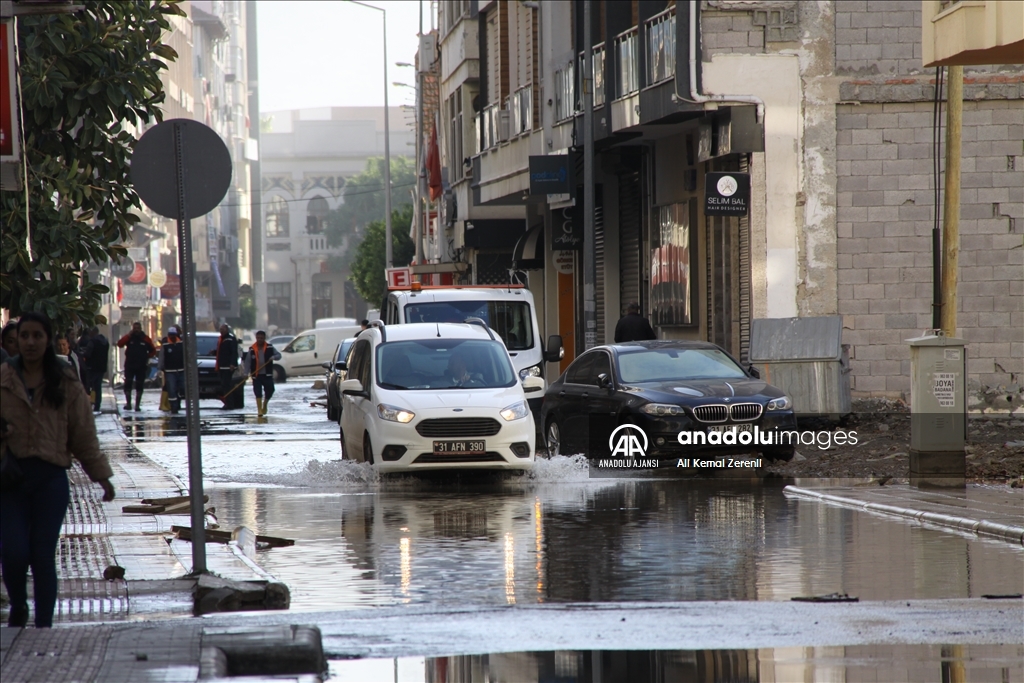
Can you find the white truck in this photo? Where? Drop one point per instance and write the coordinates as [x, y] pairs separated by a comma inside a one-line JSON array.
[[509, 310]]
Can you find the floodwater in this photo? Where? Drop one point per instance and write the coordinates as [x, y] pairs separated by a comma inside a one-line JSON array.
[[996, 663], [554, 536]]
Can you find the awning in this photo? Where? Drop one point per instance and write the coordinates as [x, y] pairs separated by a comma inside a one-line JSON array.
[[529, 250]]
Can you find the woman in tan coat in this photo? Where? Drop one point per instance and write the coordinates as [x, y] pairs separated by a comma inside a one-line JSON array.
[[46, 422]]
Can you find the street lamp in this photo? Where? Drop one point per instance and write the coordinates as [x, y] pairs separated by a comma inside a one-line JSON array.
[[389, 258]]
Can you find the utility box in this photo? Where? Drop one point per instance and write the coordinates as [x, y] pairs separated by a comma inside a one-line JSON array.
[[806, 358], [938, 407]]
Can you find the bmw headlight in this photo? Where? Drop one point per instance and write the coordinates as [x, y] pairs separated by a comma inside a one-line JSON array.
[[532, 371], [661, 409], [515, 411], [780, 403], [393, 414]]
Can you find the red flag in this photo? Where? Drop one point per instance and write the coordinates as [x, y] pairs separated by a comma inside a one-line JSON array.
[[434, 166]]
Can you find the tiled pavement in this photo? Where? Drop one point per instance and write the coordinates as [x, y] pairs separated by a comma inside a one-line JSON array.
[[97, 535]]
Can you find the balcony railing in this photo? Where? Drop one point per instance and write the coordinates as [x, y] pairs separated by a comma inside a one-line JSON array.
[[598, 75], [661, 46], [520, 106], [626, 63], [565, 92]]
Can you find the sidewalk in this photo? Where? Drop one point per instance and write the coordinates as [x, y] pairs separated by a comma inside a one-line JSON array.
[[983, 510], [97, 535]]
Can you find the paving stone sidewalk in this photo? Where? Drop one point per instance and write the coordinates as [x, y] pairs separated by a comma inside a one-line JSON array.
[[118, 645]]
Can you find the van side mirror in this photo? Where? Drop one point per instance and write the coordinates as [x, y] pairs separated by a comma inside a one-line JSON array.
[[752, 371], [554, 351], [353, 387]]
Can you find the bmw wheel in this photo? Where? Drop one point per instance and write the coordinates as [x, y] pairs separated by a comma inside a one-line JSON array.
[[553, 439]]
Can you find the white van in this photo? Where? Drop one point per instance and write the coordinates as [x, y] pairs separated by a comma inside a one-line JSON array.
[[305, 354], [507, 309]]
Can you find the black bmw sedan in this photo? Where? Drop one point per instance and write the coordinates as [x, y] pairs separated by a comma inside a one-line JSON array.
[[689, 398]]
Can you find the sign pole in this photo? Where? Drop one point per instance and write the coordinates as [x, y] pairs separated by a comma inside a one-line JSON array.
[[188, 318]]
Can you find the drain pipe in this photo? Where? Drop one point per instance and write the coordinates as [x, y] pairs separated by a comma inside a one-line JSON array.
[[698, 98]]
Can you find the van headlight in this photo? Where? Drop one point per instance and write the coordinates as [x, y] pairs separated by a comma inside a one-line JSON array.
[[780, 403], [532, 371], [516, 411], [394, 414]]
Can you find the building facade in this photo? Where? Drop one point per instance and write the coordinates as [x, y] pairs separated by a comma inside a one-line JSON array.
[[307, 155], [825, 106]]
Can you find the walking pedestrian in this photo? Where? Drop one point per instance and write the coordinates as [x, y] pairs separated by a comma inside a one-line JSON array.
[[260, 366], [138, 349], [226, 365], [64, 353], [633, 326], [97, 352], [9, 339], [46, 422], [172, 363]]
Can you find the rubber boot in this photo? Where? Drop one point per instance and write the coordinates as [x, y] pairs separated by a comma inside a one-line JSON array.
[[138, 400], [264, 410], [259, 406], [128, 399]]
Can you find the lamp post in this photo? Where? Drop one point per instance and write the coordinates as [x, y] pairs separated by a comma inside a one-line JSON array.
[[389, 258]]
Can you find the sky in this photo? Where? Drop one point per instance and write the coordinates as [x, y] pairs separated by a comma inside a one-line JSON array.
[[328, 53]]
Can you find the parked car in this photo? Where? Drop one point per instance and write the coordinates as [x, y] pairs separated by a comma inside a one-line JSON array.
[[427, 396], [301, 356], [336, 373], [206, 361], [280, 341], [664, 387]]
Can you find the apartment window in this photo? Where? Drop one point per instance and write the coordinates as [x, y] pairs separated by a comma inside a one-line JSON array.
[[279, 304], [321, 300], [661, 47], [455, 151], [316, 215], [565, 92], [673, 241], [451, 12], [277, 219]]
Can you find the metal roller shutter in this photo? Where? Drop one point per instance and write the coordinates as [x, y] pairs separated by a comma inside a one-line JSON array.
[[599, 314], [630, 215], [744, 276]]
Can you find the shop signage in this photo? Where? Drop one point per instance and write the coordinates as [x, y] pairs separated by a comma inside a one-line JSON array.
[[567, 232], [8, 98], [140, 274], [549, 174], [564, 262], [123, 269], [172, 289], [726, 194], [157, 278], [134, 296]]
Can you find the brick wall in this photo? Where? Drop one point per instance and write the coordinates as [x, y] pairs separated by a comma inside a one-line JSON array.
[[885, 205], [729, 31], [878, 37]]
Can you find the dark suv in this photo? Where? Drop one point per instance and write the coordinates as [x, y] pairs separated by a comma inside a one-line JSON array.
[[336, 373]]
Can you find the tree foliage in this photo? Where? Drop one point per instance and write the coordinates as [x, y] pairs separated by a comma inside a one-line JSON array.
[[369, 263], [89, 80], [364, 197]]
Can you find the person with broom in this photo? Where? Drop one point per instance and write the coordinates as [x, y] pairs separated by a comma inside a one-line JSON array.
[[260, 366]]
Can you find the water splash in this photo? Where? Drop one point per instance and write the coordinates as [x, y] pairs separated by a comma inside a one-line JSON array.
[[561, 468], [319, 473]]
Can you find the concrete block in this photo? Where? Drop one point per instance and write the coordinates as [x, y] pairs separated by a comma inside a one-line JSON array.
[[886, 36], [887, 213], [866, 261], [867, 19], [852, 306], [1008, 334], [915, 305], [880, 182], [886, 336], [852, 246], [1007, 148], [269, 650], [869, 230], [1008, 179], [900, 321], [899, 352], [900, 382], [971, 242], [852, 214], [868, 136], [974, 116], [898, 260], [1006, 303], [868, 198], [851, 36], [988, 195], [979, 304], [913, 212], [843, 230], [1008, 242], [883, 306], [993, 258], [851, 183], [915, 151], [914, 182], [993, 288], [899, 107], [898, 135], [851, 153], [1009, 116], [899, 167], [870, 383], [845, 121], [901, 290], [989, 318], [883, 151], [992, 226], [883, 275], [868, 352], [885, 367], [852, 276], [894, 49], [883, 245], [869, 322], [916, 119], [715, 23], [915, 244]]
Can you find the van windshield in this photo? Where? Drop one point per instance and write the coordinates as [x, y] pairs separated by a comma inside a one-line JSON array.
[[444, 364], [512, 320]]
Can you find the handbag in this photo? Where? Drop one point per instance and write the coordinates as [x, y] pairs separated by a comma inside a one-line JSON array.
[[11, 475]]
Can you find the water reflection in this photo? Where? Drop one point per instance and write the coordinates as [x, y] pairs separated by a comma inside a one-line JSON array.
[[516, 542], [995, 663]]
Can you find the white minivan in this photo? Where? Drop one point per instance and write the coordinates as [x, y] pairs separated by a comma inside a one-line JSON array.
[[507, 309], [435, 396], [306, 354]]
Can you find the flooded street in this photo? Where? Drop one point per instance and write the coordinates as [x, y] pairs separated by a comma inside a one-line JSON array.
[[554, 536]]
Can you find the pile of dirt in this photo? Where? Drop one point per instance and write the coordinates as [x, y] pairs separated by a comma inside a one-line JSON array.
[[995, 446]]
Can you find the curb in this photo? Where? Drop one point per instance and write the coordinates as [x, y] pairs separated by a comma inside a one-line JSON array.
[[982, 527]]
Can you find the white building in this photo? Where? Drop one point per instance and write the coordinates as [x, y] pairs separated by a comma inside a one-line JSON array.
[[306, 157]]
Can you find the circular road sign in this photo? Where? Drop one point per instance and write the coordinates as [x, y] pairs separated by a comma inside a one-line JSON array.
[[207, 168]]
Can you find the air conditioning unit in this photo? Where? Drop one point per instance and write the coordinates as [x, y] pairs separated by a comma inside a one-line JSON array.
[[504, 125]]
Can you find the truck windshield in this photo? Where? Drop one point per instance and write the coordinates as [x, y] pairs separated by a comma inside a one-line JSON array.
[[512, 320]]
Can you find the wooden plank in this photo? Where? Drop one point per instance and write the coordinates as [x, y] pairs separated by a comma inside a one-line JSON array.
[[143, 509], [173, 500], [219, 536]]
